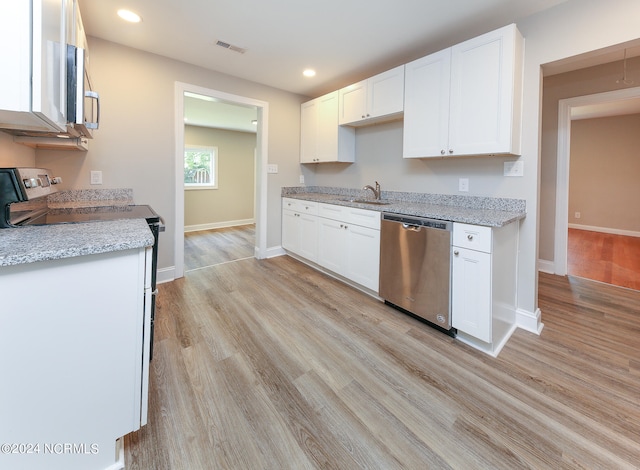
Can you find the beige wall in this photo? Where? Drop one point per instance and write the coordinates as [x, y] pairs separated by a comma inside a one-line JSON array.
[[234, 198], [587, 81], [15, 155], [135, 146], [605, 166]]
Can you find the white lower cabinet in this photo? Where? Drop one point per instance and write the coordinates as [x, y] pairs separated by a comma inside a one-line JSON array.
[[76, 360], [483, 300], [346, 240], [300, 228]]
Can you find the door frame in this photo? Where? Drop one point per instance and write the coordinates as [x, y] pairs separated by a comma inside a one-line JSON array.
[[260, 251], [565, 107]]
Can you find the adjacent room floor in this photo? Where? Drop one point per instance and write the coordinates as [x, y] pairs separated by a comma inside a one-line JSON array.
[[270, 364], [604, 257], [210, 247]]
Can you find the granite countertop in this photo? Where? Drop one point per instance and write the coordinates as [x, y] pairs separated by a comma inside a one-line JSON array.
[[29, 244], [491, 212]]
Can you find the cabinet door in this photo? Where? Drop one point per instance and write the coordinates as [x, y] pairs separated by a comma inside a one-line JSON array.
[[328, 128], [49, 80], [290, 231], [482, 93], [353, 102], [309, 131], [471, 293], [332, 245], [364, 256], [385, 93], [308, 236], [426, 106]]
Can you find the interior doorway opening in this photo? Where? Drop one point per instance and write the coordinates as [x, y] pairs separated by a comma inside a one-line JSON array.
[[611, 104], [183, 90]]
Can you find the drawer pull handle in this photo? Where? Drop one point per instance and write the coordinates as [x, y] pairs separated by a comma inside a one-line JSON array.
[[456, 252]]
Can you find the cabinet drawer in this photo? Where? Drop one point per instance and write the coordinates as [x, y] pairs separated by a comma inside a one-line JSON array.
[[474, 237], [299, 205], [308, 207], [364, 218], [290, 204], [331, 211], [350, 215]]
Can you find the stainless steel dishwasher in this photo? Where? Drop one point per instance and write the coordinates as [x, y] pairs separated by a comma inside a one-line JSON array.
[[415, 267]]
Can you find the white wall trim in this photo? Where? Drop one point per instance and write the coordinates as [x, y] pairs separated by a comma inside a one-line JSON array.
[[166, 275], [274, 251], [529, 321], [546, 266], [563, 163], [613, 231], [261, 167], [215, 225]]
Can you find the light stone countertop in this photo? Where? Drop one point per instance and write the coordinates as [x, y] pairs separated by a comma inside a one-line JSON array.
[[30, 244], [491, 212]]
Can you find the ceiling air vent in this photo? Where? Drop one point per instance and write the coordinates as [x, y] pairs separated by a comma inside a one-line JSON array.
[[231, 47]]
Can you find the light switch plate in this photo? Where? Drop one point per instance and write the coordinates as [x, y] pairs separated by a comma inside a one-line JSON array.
[[514, 168], [272, 168], [96, 177], [463, 185]]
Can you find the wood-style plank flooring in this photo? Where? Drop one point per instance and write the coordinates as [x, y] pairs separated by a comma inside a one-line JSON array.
[[210, 247], [272, 365], [604, 257]]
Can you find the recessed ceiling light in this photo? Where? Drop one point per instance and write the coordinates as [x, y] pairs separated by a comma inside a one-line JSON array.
[[129, 16], [309, 73]]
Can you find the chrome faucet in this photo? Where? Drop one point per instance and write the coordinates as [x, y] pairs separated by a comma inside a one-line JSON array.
[[375, 191]]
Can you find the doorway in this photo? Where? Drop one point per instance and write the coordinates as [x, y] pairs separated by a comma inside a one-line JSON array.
[[260, 165], [603, 104]]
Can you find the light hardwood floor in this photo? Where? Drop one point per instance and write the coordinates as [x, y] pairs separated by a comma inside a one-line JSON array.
[[604, 257], [210, 247], [271, 365]]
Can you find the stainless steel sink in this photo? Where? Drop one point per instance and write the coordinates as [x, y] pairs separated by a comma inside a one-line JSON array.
[[375, 202]]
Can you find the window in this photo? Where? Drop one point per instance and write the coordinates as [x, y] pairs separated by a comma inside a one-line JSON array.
[[200, 167]]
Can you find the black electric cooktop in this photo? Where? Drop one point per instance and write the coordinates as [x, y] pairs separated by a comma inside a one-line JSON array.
[[91, 214]]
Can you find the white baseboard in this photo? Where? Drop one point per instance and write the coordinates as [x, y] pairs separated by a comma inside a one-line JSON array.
[[529, 321], [272, 252], [613, 231], [166, 275], [214, 225], [546, 266]]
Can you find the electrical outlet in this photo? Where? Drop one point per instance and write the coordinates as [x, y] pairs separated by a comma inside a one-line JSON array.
[[301, 179], [463, 185], [514, 168], [96, 177], [577, 215]]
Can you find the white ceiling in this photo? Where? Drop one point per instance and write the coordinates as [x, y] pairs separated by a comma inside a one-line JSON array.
[[344, 40]]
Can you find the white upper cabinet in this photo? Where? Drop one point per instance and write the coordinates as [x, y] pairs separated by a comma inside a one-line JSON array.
[[321, 139], [373, 100], [33, 96], [471, 93], [426, 107]]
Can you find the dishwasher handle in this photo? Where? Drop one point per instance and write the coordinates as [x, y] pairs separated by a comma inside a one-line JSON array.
[[413, 228]]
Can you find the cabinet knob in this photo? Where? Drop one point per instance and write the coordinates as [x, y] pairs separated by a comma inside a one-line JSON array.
[[456, 253], [450, 151], [442, 152], [363, 116], [470, 237]]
